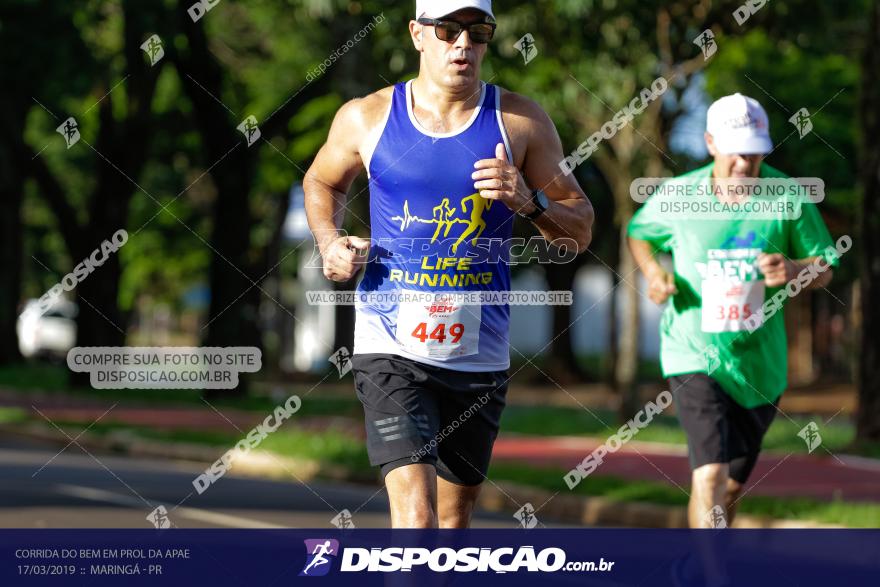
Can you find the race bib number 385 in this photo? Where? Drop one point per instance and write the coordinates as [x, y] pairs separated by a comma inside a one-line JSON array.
[[732, 289], [438, 327], [727, 305]]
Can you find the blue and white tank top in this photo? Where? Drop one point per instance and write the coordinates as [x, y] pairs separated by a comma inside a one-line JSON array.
[[433, 236]]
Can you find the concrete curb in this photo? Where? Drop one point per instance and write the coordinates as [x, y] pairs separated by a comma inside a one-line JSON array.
[[494, 496]]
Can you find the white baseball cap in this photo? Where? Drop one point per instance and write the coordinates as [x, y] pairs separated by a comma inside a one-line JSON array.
[[739, 126], [440, 8]]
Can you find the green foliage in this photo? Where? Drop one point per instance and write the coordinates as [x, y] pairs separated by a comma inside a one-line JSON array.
[[837, 435], [850, 514], [594, 56], [784, 78]]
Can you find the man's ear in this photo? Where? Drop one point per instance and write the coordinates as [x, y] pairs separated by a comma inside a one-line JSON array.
[[415, 32], [710, 144]]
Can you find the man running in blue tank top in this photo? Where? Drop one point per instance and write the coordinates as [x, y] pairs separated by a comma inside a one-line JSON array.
[[450, 161]]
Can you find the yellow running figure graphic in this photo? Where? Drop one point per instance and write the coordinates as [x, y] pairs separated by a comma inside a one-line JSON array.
[[476, 222], [443, 218]]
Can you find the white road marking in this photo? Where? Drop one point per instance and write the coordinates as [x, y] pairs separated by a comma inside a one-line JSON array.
[[93, 494]]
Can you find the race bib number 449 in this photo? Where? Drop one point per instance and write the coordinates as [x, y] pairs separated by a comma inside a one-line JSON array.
[[438, 326]]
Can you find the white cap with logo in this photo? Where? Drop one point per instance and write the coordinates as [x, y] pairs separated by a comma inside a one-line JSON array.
[[739, 126], [440, 8]]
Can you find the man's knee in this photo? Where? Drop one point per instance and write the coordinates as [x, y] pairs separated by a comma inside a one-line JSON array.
[[456, 504], [456, 519], [412, 492], [414, 516], [733, 491], [710, 477], [409, 511]]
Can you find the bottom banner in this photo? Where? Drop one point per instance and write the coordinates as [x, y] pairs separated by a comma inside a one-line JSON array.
[[175, 557]]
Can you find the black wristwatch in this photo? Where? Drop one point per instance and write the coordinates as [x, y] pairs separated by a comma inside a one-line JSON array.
[[539, 199]]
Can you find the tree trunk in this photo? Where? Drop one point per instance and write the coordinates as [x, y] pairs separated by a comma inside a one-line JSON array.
[[868, 418], [609, 367], [99, 321], [13, 164], [562, 364], [234, 279], [627, 366]]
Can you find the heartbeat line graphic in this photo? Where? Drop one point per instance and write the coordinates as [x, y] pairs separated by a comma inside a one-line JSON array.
[[443, 217], [407, 219]]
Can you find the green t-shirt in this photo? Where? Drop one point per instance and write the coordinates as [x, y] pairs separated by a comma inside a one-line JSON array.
[[719, 284]]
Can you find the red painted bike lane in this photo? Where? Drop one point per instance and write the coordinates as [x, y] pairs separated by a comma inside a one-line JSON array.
[[820, 475]]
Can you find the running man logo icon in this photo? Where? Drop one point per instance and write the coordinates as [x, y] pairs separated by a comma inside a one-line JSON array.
[[69, 129], [249, 129], [343, 520], [342, 360], [159, 518], [715, 517], [444, 218], [713, 358], [154, 50], [802, 122], [317, 553], [526, 516], [526, 46], [810, 434], [706, 42]]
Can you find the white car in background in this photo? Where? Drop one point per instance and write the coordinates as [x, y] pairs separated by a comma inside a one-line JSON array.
[[49, 334]]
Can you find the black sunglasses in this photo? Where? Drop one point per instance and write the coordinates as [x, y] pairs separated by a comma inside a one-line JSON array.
[[449, 30]]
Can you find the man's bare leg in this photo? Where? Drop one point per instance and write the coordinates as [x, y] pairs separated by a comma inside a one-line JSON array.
[[732, 493], [708, 489], [412, 492], [455, 503]]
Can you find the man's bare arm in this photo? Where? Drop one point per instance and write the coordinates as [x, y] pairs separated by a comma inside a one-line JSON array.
[[570, 213], [778, 270], [661, 283], [335, 167], [326, 186]]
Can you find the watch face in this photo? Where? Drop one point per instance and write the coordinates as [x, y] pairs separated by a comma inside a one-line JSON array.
[[541, 197]]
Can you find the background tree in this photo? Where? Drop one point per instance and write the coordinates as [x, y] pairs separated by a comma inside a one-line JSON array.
[[868, 418]]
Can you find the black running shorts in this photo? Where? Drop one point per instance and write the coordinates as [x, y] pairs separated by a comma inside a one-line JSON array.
[[718, 429], [417, 413]]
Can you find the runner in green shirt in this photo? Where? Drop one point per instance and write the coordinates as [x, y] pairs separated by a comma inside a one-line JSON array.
[[723, 344]]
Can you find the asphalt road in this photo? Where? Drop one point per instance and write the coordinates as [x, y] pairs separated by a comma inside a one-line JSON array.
[[40, 488]]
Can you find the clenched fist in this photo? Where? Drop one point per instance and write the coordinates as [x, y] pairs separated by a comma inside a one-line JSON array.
[[661, 285], [344, 256], [777, 269]]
